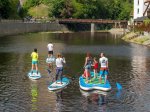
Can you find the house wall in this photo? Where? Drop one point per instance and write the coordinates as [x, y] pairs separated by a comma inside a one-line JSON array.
[[139, 8]]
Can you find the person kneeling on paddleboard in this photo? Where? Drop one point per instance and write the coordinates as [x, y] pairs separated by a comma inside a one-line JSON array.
[[34, 56], [104, 67], [59, 66]]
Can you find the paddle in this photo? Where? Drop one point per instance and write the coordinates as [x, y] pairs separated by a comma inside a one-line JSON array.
[[118, 85], [48, 70]]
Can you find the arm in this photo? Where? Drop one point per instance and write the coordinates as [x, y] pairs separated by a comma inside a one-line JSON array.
[[63, 60], [31, 54], [100, 61], [37, 57], [107, 63], [85, 61]]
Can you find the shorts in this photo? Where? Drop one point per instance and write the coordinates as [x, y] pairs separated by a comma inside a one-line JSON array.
[[50, 52], [103, 72], [34, 62], [88, 67]]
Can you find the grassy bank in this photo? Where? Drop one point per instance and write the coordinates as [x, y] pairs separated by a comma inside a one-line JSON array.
[[136, 37]]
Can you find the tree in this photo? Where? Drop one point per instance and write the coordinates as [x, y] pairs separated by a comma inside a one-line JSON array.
[[8, 9], [5, 8]]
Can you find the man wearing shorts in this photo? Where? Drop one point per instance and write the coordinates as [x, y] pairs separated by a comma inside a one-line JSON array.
[[104, 67], [50, 55], [50, 49]]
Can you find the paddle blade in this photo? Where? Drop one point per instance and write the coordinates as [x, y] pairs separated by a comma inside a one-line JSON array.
[[119, 87], [48, 71]]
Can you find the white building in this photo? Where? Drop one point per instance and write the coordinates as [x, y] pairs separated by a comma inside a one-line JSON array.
[[139, 8]]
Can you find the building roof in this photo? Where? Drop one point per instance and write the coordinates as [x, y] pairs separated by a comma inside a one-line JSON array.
[[140, 19]]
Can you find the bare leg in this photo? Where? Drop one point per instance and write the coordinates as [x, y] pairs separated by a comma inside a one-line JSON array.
[[48, 55], [32, 68], [36, 66], [100, 79], [94, 73], [86, 71]]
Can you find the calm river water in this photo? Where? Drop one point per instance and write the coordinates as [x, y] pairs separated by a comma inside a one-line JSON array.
[[129, 65]]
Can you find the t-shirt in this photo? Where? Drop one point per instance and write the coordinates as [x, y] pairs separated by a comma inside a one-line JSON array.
[[34, 56], [59, 62], [96, 65], [50, 47], [103, 61]]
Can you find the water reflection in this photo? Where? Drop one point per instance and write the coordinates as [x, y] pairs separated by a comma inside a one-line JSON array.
[[94, 97], [59, 100], [34, 95]]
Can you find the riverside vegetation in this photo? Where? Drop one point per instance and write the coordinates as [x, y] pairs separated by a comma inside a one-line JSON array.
[[138, 36], [83, 9]]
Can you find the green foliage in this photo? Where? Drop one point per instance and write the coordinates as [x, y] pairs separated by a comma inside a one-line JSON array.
[[95, 9], [8, 9], [32, 3], [86, 9], [39, 11], [147, 22]]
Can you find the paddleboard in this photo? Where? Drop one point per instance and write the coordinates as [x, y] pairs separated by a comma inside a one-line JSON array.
[[94, 84], [34, 75], [50, 59], [57, 84], [88, 93]]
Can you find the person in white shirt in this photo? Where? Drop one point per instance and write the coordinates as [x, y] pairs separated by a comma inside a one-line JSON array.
[[59, 66], [50, 56], [50, 49], [104, 67]]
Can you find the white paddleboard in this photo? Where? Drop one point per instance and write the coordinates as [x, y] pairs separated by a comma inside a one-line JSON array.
[[34, 75], [50, 59], [57, 84]]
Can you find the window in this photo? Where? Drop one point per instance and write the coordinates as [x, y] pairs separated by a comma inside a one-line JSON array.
[[138, 11]]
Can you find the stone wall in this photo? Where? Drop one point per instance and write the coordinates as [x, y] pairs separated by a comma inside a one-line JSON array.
[[14, 28]]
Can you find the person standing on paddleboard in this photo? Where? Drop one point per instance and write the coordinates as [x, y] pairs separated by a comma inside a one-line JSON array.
[[95, 67], [59, 66], [50, 54], [34, 56], [50, 49], [104, 67], [87, 66]]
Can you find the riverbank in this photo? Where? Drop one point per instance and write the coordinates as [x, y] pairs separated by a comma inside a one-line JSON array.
[[136, 37], [15, 28]]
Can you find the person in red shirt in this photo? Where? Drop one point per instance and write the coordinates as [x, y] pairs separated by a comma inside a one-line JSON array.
[[95, 67]]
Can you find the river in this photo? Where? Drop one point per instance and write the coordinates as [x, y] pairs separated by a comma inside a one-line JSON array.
[[128, 64]]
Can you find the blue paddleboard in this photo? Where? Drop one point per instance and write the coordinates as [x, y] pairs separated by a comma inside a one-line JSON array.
[[34, 75], [57, 84], [94, 84]]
